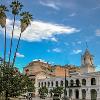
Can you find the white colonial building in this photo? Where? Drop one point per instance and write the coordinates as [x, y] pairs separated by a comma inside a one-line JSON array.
[[84, 85]]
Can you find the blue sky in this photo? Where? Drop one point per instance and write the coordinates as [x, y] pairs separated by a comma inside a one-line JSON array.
[[58, 32]]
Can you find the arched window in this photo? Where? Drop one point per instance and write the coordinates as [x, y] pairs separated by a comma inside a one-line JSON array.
[[70, 93], [48, 84], [61, 83], [56, 83], [71, 83], [52, 83], [45, 84], [93, 94], [42, 84], [39, 84], [93, 81], [77, 82], [83, 94], [83, 81]]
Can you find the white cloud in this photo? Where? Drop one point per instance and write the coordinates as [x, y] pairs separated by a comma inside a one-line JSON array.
[[79, 42], [39, 30], [76, 51], [20, 55], [54, 39], [98, 32], [67, 44], [50, 4], [72, 15], [98, 68], [56, 50]]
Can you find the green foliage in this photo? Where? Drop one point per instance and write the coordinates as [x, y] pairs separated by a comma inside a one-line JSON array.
[[57, 90], [43, 91], [13, 82], [16, 7]]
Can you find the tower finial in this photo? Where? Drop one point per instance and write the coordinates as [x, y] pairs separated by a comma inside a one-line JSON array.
[[86, 45]]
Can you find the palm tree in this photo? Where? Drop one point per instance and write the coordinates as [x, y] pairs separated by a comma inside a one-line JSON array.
[[16, 8], [25, 22], [3, 17]]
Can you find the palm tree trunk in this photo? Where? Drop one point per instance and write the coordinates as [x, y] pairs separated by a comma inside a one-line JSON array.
[[5, 47], [16, 49], [11, 42]]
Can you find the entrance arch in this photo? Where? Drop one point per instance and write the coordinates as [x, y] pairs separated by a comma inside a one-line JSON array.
[[70, 93], [77, 94], [93, 94], [84, 94]]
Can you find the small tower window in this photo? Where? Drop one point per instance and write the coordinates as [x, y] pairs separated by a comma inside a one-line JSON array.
[[93, 81]]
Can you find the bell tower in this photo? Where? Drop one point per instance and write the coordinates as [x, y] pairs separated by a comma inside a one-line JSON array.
[[87, 65]]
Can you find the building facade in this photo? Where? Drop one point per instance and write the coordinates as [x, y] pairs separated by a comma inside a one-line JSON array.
[[82, 84]]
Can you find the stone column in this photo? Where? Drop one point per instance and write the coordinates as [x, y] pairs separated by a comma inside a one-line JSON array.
[[88, 94], [73, 95], [98, 94], [80, 94]]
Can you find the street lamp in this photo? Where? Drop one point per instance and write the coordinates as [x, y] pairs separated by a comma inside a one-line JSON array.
[[65, 97]]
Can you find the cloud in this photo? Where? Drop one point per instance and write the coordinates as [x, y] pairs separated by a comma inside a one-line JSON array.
[[20, 55], [56, 50], [39, 30], [98, 32], [67, 44], [76, 51], [50, 4], [72, 15], [98, 68], [79, 42]]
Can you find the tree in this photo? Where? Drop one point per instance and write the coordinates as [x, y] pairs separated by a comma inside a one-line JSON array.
[[16, 8], [25, 21], [42, 91], [57, 90], [3, 17], [13, 83]]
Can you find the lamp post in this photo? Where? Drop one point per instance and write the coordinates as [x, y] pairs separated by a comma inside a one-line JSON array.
[[65, 97]]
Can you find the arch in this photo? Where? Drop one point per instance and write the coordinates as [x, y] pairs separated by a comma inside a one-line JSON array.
[[71, 83], [45, 84], [61, 83], [42, 84], [56, 83], [39, 84], [93, 94], [70, 92], [48, 84], [77, 82], [52, 83], [77, 94], [93, 81], [84, 82], [83, 94]]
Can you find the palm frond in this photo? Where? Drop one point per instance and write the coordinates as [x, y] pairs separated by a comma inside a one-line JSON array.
[[26, 20], [16, 7]]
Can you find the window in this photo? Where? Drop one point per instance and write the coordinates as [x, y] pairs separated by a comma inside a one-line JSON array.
[[52, 83], [71, 82], [77, 82], [45, 84], [93, 81], [61, 83], [39, 84], [56, 83], [83, 81], [48, 84], [42, 84]]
